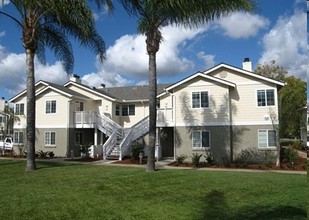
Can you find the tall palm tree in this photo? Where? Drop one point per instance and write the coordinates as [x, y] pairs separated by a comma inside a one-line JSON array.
[[48, 24], [155, 14]]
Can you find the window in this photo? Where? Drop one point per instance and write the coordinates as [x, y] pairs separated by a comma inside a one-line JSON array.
[[117, 110], [200, 100], [200, 139], [79, 106], [127, 110], [50, 107], [267, 138], [2, 119], [19, 109], [266, 97], [18, 137], [50, 138]]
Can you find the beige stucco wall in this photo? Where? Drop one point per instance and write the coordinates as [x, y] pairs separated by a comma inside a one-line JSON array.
[[218, 111]]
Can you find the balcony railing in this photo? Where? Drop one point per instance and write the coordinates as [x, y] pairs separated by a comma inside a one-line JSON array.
[[85, 119], [165, 117]]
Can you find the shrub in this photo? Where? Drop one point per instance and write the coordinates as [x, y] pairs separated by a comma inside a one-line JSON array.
[[50, 154], [298, 145], [226, 161], [292, 156], [196, 159], [181, 159], [268, 158], [42, 154], [136, 150], [209, 158], [244, 158]]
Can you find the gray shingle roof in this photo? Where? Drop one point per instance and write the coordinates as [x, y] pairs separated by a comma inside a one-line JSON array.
[[130, 93]]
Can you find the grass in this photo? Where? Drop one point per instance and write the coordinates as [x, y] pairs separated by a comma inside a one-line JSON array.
[[76, 191]]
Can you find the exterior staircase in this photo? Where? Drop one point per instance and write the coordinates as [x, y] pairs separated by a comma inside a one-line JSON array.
[[120, 140]]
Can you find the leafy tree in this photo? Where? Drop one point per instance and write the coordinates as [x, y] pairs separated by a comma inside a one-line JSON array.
[[48, 24], [292, 98], [155, 14], [271, 70]]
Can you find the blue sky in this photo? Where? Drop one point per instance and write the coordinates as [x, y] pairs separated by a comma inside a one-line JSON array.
[[277, 31]]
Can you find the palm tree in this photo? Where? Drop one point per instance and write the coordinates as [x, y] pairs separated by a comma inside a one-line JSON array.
[[155, 14], [48, 24]]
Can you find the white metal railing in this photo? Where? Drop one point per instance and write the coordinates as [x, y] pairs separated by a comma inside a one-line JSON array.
[[137, 130], [165, 115], [109, 144], [107, 125], [85, 118]]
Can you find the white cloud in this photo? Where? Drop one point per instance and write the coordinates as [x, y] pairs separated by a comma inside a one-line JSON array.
[[286, 44], [241, 25], [2, 33], [208, 59], [128, 58], [13, 72]]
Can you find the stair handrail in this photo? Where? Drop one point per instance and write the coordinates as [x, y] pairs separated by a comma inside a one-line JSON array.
[[107, 123], [138, 129], [109, 144]]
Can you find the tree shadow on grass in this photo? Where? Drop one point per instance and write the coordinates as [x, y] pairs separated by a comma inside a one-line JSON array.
[[216, 208]]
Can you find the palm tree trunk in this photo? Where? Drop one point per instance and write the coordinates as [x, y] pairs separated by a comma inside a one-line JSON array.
[[30, 131], [152, 112]]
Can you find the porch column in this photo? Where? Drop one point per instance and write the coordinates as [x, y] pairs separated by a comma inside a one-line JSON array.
[[158, 152]]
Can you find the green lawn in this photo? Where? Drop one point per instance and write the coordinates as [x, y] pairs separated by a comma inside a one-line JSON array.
[[75, 191]]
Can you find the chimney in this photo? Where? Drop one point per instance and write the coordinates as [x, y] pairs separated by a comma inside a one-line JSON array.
[[75, 78], [246, 65]]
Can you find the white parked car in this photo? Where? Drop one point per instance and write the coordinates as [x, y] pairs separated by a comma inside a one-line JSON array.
[[7, 144]]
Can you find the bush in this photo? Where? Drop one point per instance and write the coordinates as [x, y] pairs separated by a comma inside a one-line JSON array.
[[42, 154], [50, 154], [196, 159], [226, 161], [244, 158], [298, 145], [181, 159], [209, 158], [136, 150], [291, 156], [268, 158]]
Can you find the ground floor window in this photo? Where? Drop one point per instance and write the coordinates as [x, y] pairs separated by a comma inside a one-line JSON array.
[[50, 138], [18, 137], [200, 139], [267, 138]]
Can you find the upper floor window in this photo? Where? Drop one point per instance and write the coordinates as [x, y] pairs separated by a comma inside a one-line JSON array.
[[50, 138], [2, 119], [127, 110], [267, 138], [117, 110], [19, 109], [200, 100], [200, 139], [266, 97], [50, 107], [79, 106]]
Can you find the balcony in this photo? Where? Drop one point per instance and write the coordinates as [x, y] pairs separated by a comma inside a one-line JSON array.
[[85, 119], [165, 117]]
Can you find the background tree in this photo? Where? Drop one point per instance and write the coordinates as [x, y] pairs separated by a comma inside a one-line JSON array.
[[48, 24], [292, 98], [155, 14], [271, 70]]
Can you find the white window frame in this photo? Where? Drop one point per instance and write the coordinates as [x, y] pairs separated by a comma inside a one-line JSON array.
[[48, 142], [49, 110], [18, 138], [266, 133], [18, 106], [200, 100], [128, 109], [201, 139], [79, 106], [117, 110], [265, 95]]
